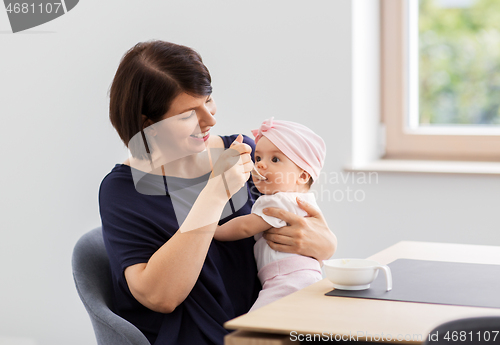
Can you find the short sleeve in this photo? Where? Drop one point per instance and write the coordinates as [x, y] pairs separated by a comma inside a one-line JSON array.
[[284, 200], [269, 201], [131, 231]]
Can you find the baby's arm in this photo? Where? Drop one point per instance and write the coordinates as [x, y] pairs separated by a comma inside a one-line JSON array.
[[241, 227]]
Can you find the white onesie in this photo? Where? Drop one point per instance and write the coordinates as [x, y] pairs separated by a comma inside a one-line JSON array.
[[282, 273], [286, 201]]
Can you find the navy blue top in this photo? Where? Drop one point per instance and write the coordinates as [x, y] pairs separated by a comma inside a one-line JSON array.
[[135, 225]]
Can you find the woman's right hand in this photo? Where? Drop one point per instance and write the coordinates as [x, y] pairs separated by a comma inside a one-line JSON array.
[[232, 169], [308, 236]]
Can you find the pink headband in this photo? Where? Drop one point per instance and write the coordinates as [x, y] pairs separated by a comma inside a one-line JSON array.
[[301, 145]]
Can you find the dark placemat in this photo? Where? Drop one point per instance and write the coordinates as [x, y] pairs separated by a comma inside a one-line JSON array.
[[438, 282]]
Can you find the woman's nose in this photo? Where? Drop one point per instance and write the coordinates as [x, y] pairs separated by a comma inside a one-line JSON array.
[[206, 119]]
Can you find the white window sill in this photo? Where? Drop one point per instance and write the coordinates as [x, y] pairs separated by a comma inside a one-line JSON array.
[[431, 167]]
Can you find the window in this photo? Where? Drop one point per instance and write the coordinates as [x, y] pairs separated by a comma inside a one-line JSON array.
[[440, 63]]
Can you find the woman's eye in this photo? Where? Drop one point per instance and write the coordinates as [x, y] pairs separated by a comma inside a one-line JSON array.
[[190, 115], [209, 100], [275, 160]]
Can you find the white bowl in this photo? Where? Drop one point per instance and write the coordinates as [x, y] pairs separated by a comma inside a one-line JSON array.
[[355, 274]]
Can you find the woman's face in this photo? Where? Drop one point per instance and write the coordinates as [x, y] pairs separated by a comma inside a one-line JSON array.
[[185, 128], [282, 174]]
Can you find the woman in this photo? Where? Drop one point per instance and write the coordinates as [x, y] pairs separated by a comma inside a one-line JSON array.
[[160, 208]]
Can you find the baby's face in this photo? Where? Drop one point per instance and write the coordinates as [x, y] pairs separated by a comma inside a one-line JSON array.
[[282, 174]]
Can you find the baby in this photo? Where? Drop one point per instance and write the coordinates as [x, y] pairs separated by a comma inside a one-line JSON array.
[[290, 157]]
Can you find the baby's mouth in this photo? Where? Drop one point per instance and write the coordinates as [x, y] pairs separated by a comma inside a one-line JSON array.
[[258, 175]]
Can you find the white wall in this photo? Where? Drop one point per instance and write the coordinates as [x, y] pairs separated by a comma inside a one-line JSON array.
[[288, 59]]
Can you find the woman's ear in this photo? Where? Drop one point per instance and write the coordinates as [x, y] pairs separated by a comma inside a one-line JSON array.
[[304, 177], [147, 125]]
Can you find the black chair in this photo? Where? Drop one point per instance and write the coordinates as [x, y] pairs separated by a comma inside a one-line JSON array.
[[476, 330], [93, 282]]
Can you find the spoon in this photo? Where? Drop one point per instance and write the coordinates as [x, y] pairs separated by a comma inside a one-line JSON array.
[[257, 174]]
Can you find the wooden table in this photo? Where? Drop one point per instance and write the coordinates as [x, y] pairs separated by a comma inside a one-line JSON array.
[[309, 311]]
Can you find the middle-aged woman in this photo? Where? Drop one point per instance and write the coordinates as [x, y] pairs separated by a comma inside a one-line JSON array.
[[160, 208]]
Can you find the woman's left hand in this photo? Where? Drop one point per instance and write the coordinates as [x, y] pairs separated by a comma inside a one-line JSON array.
[[308, 236]]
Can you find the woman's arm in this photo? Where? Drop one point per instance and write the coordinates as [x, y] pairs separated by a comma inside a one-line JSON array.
[[168, 277], [241, 227], [309, 236]]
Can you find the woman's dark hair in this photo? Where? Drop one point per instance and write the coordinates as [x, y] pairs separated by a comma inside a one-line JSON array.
[[149, 77]]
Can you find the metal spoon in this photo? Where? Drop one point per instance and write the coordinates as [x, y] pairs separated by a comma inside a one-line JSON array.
[[257, 174]]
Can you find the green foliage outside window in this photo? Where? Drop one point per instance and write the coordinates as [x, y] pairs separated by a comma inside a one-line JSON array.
[[459, 63]]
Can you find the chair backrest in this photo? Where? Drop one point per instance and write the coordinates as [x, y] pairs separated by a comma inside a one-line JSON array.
[[474, 330], [93, 282]]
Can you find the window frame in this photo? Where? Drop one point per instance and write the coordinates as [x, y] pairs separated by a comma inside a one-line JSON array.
[[401, 142]]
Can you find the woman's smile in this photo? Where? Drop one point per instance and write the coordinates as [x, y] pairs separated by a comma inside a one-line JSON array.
[[201, 136]]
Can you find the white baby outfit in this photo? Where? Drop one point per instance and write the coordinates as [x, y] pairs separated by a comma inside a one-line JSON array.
[[282, 273]]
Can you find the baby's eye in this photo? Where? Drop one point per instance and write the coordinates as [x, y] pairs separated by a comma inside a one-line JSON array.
[[257, 158], [275, 160]]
